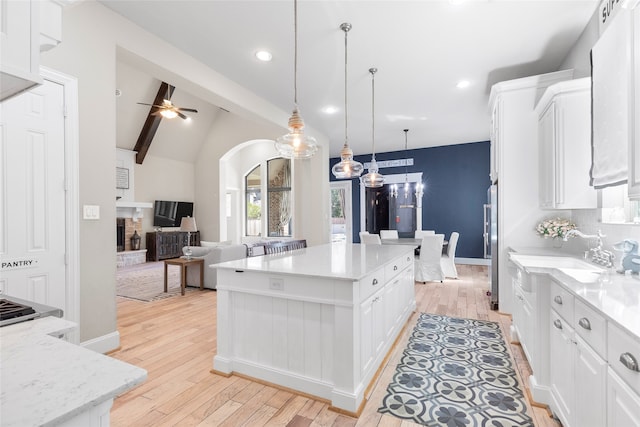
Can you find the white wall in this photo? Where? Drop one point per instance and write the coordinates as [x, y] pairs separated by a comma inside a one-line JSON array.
[[93, 37], [158, 178]]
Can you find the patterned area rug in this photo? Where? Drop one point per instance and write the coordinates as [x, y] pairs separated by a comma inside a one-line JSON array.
[[145, 282], [456, 373]]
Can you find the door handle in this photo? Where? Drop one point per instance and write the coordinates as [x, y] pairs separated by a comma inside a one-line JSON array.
[[557, 323], [558, 299], [584, 322], [629, 362]]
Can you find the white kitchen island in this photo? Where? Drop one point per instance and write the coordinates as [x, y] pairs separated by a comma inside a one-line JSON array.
[[318, 320]]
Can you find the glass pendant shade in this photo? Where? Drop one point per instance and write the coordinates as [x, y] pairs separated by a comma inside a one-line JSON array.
[[295, 144], [373, 179], [347, 167]]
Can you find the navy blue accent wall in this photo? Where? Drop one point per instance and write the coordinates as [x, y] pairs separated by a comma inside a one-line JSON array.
[[455, 178]]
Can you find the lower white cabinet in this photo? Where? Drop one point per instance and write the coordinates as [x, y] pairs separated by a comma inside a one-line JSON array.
[[578, 377], [372, 312], [623, 404], [562, 373]]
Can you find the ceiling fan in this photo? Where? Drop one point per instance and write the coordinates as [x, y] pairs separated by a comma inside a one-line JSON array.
[[168, 110]]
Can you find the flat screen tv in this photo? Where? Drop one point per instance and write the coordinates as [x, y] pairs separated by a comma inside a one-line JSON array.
[[169, 213]]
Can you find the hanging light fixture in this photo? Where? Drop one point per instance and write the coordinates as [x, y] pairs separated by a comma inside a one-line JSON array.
[[347, 167], [373, 179], [295, 144], [406, 161]]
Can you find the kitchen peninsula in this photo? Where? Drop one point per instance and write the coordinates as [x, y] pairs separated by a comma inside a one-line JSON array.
[[318, 320]]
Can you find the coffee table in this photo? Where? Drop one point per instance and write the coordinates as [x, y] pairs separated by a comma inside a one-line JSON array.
[[183, 263]]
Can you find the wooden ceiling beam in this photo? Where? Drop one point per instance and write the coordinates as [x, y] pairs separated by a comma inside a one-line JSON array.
[[151, 123]]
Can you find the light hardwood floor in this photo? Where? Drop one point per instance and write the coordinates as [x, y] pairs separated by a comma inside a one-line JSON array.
[[175, 340]]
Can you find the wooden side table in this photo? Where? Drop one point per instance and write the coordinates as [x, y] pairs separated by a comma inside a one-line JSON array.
[[184, 263]]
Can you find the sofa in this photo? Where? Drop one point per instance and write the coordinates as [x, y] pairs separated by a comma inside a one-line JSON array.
[[212, 253]]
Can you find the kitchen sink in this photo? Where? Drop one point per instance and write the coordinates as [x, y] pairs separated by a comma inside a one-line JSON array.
[[582, 275], [545, 261]]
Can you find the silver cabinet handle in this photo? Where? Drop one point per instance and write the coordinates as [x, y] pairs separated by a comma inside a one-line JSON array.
[[584, 322], [375, 282], [558, 299], [629, 362], [557, 323], [408, 258], [395, 267]]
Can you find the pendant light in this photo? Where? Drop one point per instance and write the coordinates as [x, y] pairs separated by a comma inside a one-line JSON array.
[[347, 167], [295, 144], [406, 161], [373, 179]]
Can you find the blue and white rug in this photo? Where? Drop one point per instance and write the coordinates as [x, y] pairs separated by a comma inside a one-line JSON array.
[[456, 373]]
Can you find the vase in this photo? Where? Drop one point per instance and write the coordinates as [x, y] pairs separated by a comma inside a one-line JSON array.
[[557, 242]]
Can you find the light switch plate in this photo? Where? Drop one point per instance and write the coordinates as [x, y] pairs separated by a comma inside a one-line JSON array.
[[91, 212]]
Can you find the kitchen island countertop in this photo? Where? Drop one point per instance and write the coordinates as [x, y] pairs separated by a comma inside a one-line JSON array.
[[46, 380]]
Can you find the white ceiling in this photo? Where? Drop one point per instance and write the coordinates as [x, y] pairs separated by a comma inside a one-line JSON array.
[[421, 49]]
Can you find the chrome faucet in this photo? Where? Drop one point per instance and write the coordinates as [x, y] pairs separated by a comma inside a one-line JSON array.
[[598, 254]]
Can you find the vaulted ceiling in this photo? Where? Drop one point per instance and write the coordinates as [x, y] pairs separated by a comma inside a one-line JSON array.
[[422, 49]]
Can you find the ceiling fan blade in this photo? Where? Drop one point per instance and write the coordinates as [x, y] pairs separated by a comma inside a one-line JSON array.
[[190, 110], [142, 103], [153, 105], [182, 116], [156, 113]]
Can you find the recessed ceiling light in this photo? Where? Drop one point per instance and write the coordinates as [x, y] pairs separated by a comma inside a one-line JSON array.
[[463, 84], [330, 109], [264, 55]]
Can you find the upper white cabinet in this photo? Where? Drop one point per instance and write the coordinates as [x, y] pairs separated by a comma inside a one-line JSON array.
[[26, 28], [564, 141], [495, 139]]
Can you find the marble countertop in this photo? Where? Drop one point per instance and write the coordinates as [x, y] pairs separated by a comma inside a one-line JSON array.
[[615, 295], [46, 380], [344, 261]]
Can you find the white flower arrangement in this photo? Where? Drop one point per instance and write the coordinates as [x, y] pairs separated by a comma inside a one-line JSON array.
[[555, 227]]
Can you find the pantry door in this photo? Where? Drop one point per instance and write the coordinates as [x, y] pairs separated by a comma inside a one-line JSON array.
[[33, 199]]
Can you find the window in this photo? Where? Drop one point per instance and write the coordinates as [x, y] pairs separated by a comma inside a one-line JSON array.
[[279, 197], [253, 212]]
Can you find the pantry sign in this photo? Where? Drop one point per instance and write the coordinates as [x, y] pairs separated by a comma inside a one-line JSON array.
[[15, 264]]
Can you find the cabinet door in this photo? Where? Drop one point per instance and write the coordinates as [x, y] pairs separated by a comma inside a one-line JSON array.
[[561, 351], [634, 114], [591, 386], [495, 140], [623, 404], [372, 331], [547, 158]]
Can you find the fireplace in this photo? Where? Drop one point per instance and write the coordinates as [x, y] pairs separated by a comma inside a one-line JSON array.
[[120, 232]]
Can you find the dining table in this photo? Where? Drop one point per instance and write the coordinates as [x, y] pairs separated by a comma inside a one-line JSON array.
[[413, 242]]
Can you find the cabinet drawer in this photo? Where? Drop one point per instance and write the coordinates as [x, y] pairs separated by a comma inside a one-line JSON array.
[[371, 283], [623, 354], [591, 326], [392, 269], [562, 301]]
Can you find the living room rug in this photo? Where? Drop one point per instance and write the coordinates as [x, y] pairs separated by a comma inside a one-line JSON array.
[[456, 373], [145, 282]]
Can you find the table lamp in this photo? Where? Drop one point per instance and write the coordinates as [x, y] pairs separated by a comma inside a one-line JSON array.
[[188, 224]]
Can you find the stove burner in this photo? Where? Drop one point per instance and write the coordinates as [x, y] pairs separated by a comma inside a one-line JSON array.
[[10, 310]]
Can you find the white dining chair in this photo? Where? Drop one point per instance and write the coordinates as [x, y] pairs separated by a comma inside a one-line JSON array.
[[421, 233], [388, 234], [448, 260], [427, 265], [370, 239]]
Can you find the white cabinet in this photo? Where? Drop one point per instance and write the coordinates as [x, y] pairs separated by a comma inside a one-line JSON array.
[[530, 326], [578, 374], [373, 331], [564, 142], [514, 166], [19, 52], [495, 139], [562, 373], [623, 405]]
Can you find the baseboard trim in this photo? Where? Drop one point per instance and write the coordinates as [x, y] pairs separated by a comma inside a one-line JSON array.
[[473, 261], [104, 343]]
